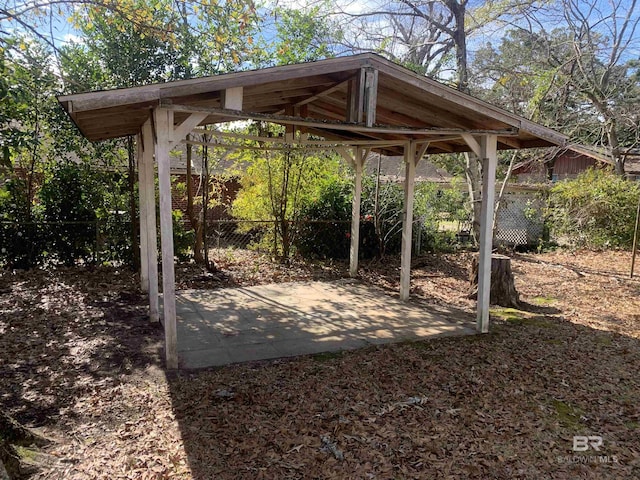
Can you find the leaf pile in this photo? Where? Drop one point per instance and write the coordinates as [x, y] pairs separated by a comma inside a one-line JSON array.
[[504, 405]]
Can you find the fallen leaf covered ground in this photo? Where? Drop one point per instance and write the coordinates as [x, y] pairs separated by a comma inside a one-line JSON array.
[[80, 361]]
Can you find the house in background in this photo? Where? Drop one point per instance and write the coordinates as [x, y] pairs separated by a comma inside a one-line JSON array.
[[392, 170], [225, 185], [567, 164]]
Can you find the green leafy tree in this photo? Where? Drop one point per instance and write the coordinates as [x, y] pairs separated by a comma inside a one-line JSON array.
[[580, 77], [278, 184], [26, 111], [303, 35], [595, 210], [70, 197]]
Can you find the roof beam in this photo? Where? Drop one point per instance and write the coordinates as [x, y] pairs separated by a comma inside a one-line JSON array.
[[474, 145], [232, 98], [510, 142], [178, 132], [301, 142], [350, 127], [317, 96]]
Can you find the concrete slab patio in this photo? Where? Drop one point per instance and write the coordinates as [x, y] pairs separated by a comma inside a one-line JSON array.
[[219, 327]]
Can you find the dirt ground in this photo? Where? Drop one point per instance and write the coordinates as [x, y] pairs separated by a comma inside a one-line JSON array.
[[80, 361]]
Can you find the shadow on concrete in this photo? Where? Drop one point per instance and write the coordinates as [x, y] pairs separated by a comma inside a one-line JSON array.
[[283, 320], [537, 376]]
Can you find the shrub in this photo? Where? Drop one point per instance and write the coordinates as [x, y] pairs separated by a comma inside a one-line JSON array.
[[389, 215], [323, 231], [69, 199], [596, 210], [183, 238], [21, 243], [435, 203]]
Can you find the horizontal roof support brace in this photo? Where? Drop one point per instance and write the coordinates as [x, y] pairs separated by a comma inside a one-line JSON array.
[[295, 146], [282, 139], [332, 125]]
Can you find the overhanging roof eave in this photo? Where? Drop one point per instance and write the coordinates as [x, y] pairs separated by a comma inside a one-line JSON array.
[[99, 115]]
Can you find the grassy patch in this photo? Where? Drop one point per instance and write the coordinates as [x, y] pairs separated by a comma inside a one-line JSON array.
[[544, 301], [26, 454], [520, 317], [508, 314], [604, 340], [327, 356], [418, 344], [568, 415]]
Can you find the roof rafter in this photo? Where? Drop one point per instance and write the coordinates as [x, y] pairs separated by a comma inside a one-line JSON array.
[[331, 125]]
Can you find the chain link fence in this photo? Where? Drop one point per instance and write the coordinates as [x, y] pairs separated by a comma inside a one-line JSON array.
[[242, 234], [322, 237], [310, 238], [26, 244], [519, 221]]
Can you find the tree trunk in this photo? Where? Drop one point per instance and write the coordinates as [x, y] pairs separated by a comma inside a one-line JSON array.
[[135, 245], [194, 219], [503, 289], [614, 144], [14, 434], [458, 10], [474, 183]]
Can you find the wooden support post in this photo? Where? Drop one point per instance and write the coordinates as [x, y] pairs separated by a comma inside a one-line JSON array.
[[358, 165], [232, 98], [289, 130], [164, 129], [371, 96], [151, 233], [362, 97], [410, 160], [488, 146], [355, 97], [142, 201]]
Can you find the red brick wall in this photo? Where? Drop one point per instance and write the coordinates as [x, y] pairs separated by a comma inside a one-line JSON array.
[[224, 191]]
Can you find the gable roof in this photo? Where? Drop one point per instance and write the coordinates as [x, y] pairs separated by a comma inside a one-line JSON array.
[[596, 154], [404, 100]]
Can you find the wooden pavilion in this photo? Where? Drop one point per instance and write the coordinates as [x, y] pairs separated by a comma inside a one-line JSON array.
[[355, 105]]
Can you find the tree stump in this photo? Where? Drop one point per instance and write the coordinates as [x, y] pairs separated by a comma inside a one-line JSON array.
[[503, 288], [13, 463]]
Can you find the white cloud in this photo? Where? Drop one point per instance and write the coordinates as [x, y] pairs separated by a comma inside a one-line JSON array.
[[72, 38], [352, 7]]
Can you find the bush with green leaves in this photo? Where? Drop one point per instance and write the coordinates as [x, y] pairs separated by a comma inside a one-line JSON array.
[[324, 226], [21, 238], [595, 210], [387, 216], [434, 204], [69, 198], [78, 214], [183, 237]]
